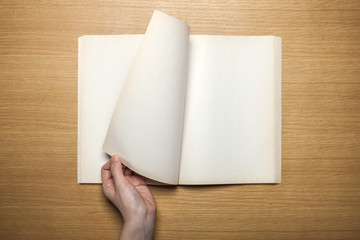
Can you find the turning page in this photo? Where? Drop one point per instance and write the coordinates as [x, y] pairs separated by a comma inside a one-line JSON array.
[[232, 126], [146, 127]]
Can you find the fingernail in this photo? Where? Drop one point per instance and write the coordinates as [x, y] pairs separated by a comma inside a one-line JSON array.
[[115, 158]]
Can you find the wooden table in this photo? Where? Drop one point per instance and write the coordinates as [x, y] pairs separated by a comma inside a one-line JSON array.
[[319, 197]]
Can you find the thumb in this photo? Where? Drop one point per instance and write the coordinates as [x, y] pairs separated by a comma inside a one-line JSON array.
[[116, 170]]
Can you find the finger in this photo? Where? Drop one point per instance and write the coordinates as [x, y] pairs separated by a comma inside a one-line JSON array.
[[105, 171], [107, 181], [140, 179], [127, 172], [116, 170], [138, 175]]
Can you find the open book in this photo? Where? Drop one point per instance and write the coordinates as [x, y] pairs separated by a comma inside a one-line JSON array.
[[180, 108]]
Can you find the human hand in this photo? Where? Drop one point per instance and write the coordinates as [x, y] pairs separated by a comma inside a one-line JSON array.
[[131, 195]]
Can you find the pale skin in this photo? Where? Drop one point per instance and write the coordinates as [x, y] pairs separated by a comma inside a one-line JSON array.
[[131, 195]]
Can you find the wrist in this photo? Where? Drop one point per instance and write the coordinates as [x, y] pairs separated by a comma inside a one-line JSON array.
[[138, 228]]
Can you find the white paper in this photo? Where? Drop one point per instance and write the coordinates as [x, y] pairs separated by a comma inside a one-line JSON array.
[[230, 131], [104, 63], [146, 127], [229, 117]]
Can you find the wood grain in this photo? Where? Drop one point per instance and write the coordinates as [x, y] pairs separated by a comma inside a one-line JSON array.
[[319, 197]]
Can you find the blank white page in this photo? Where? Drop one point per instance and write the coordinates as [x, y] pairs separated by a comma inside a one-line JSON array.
[[229, 127], [146, 127], [104, 63]]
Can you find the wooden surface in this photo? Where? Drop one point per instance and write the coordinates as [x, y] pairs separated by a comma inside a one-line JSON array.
[[319, 197]]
